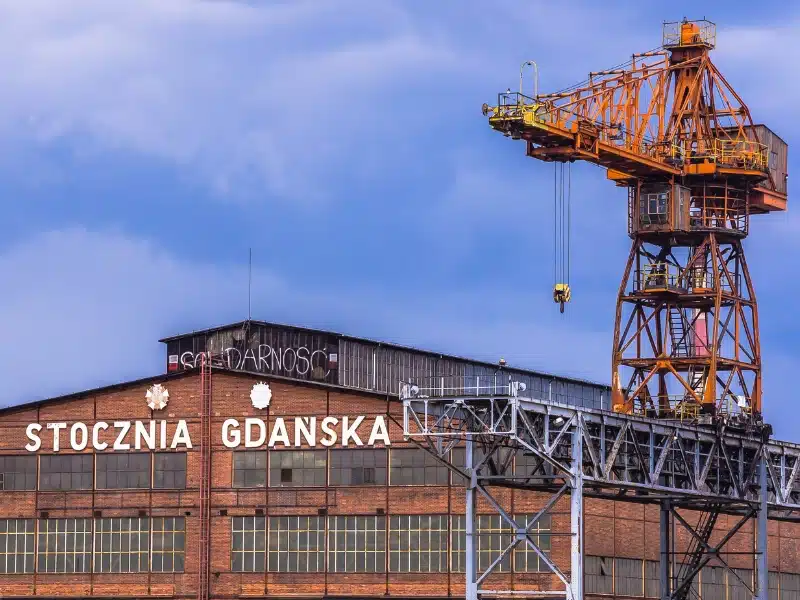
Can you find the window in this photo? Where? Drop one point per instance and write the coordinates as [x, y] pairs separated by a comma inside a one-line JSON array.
[[66, 472], [121, 545], [358, 467], [599, 575], [628, 577], [418, 544], [248, 544], [774, 586], [118, 471], [773, 160], [415, 466], [790, 586], [493, 537], [17, 472], [740, 590], [297, 544], [16, 546], [289, 468], [356, 544], [712, 583], [169, 544], [652, 580], [170, 470], [65, 546], [250, 469], [526, 560], [458, 543]]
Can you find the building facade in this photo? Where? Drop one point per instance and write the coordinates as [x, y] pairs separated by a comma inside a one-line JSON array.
[[313, 492]]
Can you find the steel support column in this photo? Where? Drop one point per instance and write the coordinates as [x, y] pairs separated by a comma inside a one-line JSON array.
[[762, 565], [665, 555], [471, 517], [576, 514]]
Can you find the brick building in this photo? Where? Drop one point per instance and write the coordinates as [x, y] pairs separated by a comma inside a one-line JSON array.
[[313, 492]]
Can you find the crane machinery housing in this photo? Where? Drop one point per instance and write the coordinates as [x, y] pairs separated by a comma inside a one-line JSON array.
[[672, 131]]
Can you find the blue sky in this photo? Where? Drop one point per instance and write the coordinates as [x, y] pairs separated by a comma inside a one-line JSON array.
[[147, 145]]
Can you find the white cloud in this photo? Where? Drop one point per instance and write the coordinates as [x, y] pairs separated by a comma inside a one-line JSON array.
[[86, 309], [264, 93]]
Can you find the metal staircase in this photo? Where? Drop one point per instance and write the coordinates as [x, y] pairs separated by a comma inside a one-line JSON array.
[[678, 335], [687, 572]]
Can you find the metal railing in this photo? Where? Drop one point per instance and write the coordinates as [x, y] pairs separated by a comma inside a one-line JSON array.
[[689, 33], [477, 386]]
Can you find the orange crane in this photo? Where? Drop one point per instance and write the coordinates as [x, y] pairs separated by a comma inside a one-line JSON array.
[[671, 130]]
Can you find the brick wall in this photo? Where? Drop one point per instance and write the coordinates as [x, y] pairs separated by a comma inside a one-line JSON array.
[[612, 528]]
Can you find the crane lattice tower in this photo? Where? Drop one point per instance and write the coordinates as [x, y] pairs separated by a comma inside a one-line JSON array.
[[671, 130]]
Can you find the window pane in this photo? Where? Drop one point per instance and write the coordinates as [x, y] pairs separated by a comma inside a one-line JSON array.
[[169, 535], [250, 468], [358, 467], [170, 470], [121, 545], [17, 473], [66, 472], [418, 543], [16, 545], [123, 471], [357, 544], [295, 468], [65, 545], [248, 542], [296, 544], [415, 466]]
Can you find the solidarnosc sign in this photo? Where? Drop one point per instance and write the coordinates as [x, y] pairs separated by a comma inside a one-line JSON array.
[[251, 432]]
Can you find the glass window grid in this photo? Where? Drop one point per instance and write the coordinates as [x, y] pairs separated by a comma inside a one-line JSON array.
[[526, 560], [250, 469], [365, 466], [17, 546], [296, 544], [494, 535], [168, 544], [357, 544], [248, 544], [298, 468], [17, 472], [61, 472], [123, 471], [121, 545], [415, 466], [169, 470], [64, 546], [418, 543]]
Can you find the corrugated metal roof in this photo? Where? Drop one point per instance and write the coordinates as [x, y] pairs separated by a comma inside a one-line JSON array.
[[412, 349]]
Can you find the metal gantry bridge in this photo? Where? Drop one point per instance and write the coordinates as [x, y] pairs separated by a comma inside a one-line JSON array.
[[576, 452]]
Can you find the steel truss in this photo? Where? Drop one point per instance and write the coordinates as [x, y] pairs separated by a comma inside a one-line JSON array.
[[577, 452]]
